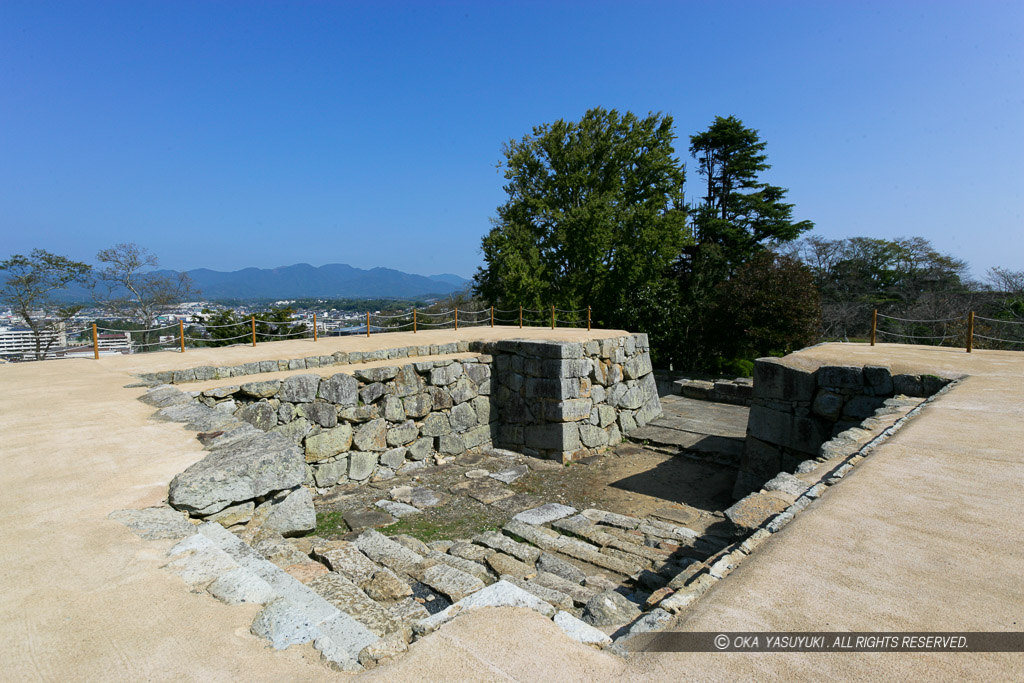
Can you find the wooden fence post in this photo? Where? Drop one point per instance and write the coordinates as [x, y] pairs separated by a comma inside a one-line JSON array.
[[314, 325], [456, 317], [181, 334], [520, 317], [970, 331], [96, 343], [254, 330], [414, 321], [874, 326], [552, 316], [492, 316], [367, 323], [588, 318]]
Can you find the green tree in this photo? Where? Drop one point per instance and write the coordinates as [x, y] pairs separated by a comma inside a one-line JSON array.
[[28, 289], [594, 217], [227, 327], [770, 305], [738, 212]]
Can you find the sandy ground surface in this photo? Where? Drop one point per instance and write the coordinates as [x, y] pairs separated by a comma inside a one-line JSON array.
[[923, 535]]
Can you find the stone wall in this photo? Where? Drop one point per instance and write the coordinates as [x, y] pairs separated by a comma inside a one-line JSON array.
[[568, 400], [372, 422], [797, 406]]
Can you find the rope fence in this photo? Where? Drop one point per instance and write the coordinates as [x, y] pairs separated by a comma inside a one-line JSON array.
[[961, 330], [443, 319]]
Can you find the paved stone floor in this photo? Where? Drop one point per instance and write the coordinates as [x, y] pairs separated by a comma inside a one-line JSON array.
[[698, 427], [919, 537]]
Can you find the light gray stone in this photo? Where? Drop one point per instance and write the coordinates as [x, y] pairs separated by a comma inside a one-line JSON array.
[[593, 437], [261, 389], [344, 594], [330, 473], [500, 594], [294, 516], [260, 415], [155, 523], [463, 417], [421, 448], [372, 436], [510, 475], [609, 609], [520, 551], [383, 550], [377, 374], [341, 389], [240, 586], [787, 483], [238, 472], [394, 411], [328, 443], [580, 631], [361, 465], [397, 509], [403, 434], [545, 514], [454, 583], [394, 457], [299, 388], [284, 625], [436, 424], [417, 406], [323, 414]]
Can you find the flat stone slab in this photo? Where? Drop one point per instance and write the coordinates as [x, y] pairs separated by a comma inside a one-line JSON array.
[[454, 583], [155, 523], [382, 549], [751, 512], [501, 542], [346, 558], [580, 631], [418, 496], [510, 475], [350, 599], [368, 519], [545, 514], [485, 490], [284, 625], [500, 594], [476, 474], [678, 516], [397, 509]]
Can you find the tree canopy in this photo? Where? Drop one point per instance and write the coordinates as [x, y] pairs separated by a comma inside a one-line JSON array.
[[594, 215]]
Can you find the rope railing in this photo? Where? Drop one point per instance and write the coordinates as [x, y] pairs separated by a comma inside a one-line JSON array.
[[950, 327], [442, 319]]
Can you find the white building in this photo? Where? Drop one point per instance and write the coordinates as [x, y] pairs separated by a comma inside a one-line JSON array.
[[20, 342]]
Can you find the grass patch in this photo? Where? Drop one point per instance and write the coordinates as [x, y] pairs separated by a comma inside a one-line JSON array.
[[432, 528], [331, 523]]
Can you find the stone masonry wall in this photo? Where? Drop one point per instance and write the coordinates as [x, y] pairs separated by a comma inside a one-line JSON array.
[[798, 407], [568, 400]]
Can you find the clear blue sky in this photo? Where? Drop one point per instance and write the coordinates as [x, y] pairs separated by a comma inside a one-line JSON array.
[[230, 134]]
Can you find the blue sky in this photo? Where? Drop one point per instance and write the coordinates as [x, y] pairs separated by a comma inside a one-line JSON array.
[[231, 134]]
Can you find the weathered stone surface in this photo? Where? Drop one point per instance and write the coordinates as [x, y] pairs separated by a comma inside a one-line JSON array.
[[848, 377], [551, 596], [284, 625], [545, 513], [520, 551], [305, 571], [341, 389], [500, 594], [382, 549], [294, 430], [452, 582], [780, 379], [421, 448], [609, 609], [361, 465], [233, 514], [436, 424], [323, 414], [344, 594], [441, 399], [408, 611], [445, 375], [751, 512], [462, 417], [580, 595], [655, 620], [550, 564], [154, 523], [238, 472], [787, 483], [403, 434], [372, 436], [451, 444], [580, 631], [294, 515], [407, 382], [394, 457], [504, 564], [637, 366], [417, 406], [419, 496], [478, 436], [242, 586], [384, 650], [372, 392], [879, 379], [344, 557], [330, 473], [593, 437], [556, 437], [470, 551], [486, 490], [827, 404], [394, 410], [385, 586], [328, 443], [510, 475], [261, 389], [299, 388], [260, 415], [397, 509], [378, 374], [368, 519]]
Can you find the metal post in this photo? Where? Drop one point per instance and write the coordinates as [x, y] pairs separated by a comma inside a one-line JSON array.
[[588, 318], [492, 316], [254, 330], [96, 343], [552, 316], [874, 326], [367, 323], [181, 334], [456, 317], [314, 325], [520, 317], [970, 331], [414, 321]]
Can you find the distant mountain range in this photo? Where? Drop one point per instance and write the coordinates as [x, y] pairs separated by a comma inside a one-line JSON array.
[[300, 281]]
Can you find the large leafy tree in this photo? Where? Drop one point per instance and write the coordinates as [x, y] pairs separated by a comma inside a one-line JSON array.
[[594, 217], [28, 288], [739, 213]]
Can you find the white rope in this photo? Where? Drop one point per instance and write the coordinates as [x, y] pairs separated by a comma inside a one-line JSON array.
[[994, 320], [909, 320], [912, 336], [1005, 341]]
